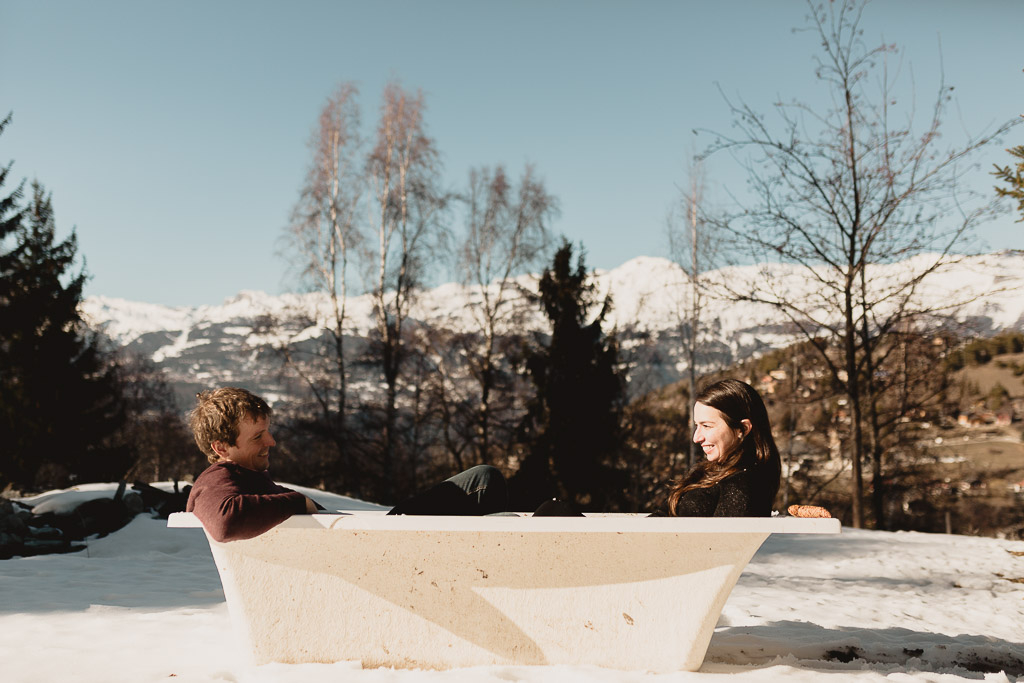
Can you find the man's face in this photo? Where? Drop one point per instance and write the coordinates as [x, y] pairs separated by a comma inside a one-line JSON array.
[[251, 449]]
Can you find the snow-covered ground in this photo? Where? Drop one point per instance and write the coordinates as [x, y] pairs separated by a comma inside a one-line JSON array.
[[145, 604]]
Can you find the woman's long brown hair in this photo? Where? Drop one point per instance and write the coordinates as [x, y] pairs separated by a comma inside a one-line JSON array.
[[737, 401]]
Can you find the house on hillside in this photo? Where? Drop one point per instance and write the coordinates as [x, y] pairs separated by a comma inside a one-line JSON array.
[[767, 383], [976, 419]]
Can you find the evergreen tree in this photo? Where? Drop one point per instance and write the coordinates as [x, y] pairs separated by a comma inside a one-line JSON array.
[[1014, 177], [574, 421], [11, 215], [58, 405], [10, 219]]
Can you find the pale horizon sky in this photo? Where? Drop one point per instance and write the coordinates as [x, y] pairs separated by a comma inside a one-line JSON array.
[[173, 134]]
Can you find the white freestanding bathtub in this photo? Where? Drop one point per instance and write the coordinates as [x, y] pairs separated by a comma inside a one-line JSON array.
[[616, 590]]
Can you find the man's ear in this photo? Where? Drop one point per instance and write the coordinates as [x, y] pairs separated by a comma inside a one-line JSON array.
[[219, 448]]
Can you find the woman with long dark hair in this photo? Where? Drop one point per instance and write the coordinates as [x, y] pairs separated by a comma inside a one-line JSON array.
[[741, 471]]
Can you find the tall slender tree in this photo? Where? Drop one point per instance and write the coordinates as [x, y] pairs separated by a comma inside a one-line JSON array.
[[403, 169], [324, 234], [506, 233], [692, 247]]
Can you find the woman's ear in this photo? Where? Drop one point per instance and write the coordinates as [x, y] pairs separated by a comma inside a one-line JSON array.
[[745, 427]]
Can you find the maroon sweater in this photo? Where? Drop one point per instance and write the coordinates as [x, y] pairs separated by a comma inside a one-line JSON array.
[[235, 503]]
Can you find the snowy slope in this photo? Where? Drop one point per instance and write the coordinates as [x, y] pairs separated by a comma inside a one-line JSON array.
[[145, 604]]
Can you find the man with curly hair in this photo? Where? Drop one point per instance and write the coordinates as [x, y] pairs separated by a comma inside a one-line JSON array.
[[235, 498]]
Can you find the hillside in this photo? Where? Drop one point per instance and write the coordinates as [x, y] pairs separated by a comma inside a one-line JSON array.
[[230, 342]]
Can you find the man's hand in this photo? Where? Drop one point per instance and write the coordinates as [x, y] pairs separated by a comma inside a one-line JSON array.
[[311, 507]]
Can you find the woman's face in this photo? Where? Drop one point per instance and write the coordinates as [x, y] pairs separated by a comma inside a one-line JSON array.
[[714, 434]]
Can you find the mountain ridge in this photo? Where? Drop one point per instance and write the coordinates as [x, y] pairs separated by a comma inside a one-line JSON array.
[[222, 343]]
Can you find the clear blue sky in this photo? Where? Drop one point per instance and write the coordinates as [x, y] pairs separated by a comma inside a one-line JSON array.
[[173, 134]]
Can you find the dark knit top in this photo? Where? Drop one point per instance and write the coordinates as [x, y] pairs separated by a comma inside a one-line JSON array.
[[235, 503], [740, 495]]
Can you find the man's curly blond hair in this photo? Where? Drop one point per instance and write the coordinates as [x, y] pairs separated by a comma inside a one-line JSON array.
[[219, 413]]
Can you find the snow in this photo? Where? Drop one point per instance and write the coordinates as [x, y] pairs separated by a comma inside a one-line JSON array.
[[145, 604], [64, 501]]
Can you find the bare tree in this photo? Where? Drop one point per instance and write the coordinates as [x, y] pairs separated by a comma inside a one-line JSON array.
[[840, 195], [403, 170], [448, 391], [154, 430], [323, 235], [691, 246], [506, 234]]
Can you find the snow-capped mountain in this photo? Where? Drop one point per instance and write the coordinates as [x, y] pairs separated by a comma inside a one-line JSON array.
[[212, 345]]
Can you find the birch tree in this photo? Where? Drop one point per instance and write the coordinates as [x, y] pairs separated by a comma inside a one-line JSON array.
[[402, 170], [323, 235], [691, 246]]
